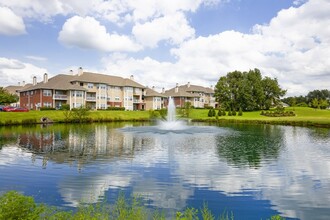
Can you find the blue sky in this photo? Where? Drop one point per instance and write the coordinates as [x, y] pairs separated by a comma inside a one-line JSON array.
[[164, 42]]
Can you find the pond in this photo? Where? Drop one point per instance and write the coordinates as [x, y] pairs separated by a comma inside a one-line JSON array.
[[253, 171]]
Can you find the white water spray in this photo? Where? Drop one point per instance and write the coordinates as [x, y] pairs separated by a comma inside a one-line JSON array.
[[171, 122]]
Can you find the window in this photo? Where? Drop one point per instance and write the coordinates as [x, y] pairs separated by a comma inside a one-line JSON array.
[[47, 104], [31, 92], [90, 85], [47, 92], [77, 93], [81, 84], [117, 98]]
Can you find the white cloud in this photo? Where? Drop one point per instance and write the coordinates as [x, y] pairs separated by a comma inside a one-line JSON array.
[[117, 11], [36, 58], [88, 33], [13, 71], [10, 23], [174, 28], [293, 47]]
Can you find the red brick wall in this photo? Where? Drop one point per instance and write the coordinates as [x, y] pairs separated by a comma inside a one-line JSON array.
[[37, 97]]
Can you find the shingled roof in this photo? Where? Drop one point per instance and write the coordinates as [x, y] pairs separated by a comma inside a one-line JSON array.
[[58, 82], [106, 79], [153, 93], [187, 91]]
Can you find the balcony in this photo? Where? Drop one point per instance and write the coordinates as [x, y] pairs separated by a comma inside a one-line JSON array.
[[61, 97], [136, 101], [90, 99]]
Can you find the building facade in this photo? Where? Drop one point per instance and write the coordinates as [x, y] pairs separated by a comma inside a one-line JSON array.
[[198, 96], [93, 90]]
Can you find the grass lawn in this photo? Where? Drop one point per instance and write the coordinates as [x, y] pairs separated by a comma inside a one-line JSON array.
[[304, 116]]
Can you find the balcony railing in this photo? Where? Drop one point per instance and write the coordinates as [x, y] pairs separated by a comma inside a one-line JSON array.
[[136, 101], [91, 99], [57, 96]]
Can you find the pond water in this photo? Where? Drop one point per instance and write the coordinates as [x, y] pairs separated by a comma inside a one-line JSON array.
[[253, 171]]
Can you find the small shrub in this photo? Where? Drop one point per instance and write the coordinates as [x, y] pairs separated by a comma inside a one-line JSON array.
[[46, 108], [65, 107], [116, 108], [229, 112], [233, 113], [240, 112], [210, 113]]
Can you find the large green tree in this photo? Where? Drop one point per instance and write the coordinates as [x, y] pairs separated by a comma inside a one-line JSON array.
[[247, 90], [6, 97]]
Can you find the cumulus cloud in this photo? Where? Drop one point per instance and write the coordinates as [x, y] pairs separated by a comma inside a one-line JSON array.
[[10, 23], [88, 33], [117, 11], [174, 28], [12, 71], [293, 48]]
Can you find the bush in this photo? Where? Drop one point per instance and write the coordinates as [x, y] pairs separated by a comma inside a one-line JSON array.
[[116, 108], [229, 112], [240, 112], [210, 113], [17, 206], [154, 114], [233, 113], [46, 108]]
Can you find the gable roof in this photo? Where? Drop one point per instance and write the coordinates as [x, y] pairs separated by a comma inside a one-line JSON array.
[[153, 93], [14, 89], [58, 82], [188, 91], [106, 79]]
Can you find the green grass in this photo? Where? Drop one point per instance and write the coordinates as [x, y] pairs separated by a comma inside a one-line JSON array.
[[58, 116], [17, 206], [304, 117]]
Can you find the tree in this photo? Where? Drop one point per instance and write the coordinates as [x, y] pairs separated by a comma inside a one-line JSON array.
[[323, 104], [6, 97], [247, 90], [315, 103]]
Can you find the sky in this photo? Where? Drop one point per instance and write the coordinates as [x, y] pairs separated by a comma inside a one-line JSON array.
[[164, 42]]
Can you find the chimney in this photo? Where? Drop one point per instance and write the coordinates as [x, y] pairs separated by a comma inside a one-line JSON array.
[[177, 88], [80, 71], [34, 80], [153, 87], [188, 84], [211, 86], [19, 83], [71, 72], [131, 77], [45, 78], [23, 83], [163, 90]]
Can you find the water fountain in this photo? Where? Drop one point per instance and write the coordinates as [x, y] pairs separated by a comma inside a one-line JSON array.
[[172, 125], [171, 122]]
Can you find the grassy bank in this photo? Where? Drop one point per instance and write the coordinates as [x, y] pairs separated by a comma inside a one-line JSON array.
[[58, 116], [17, 206], [304, 117]]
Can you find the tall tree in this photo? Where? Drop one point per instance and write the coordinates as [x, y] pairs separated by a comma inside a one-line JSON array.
[[247, 90], [6, 97]]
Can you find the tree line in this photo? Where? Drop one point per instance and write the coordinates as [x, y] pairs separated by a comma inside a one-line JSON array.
[[315, 99], [248, 91]]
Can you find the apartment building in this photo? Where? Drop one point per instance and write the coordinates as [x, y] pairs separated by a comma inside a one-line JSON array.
[[93, 90], [198, 96], [153, 99]]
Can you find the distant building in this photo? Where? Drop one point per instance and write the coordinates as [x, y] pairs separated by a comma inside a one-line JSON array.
[[15, 90], [93, 90], [154, 100], [198, 96]]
